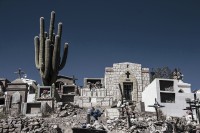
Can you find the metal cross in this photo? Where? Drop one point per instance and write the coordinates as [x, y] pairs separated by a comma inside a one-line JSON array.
[[20, 73]]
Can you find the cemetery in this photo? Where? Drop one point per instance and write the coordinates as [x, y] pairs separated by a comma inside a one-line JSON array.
[[126, 99]]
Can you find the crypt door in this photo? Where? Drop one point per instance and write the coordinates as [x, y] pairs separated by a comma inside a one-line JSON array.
[[128, 87]]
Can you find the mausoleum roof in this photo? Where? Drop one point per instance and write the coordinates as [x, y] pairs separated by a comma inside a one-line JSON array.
[[17, 81]]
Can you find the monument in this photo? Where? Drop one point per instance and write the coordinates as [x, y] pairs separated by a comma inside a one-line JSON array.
[[131, 78]]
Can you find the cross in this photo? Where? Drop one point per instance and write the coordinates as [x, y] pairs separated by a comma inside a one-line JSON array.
[[20, 73], [127, 74], [194, 104], [190, 108], [156, 106]]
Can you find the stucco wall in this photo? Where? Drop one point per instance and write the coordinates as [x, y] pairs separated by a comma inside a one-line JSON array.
[[153, 91]]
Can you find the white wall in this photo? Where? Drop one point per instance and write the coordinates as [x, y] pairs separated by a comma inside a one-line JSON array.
[[152, 91], [149, 95], [176, 109]]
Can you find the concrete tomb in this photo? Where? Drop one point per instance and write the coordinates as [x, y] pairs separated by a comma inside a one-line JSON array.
[[171, 93], [67, 93], [16, 95], [32, 109], [46, 98]]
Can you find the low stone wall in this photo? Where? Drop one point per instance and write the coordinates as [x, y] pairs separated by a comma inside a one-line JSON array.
[[93, 101], [102, 92], [95, 97]]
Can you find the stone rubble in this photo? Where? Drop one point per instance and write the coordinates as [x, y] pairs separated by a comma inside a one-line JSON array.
[[151, 125], [27, 125], [70, 116], [69, 110]]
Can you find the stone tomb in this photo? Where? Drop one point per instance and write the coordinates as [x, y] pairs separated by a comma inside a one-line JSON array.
[[67, 93], [16, 95], [32, 109], [93, 83], [131, 77], [126, 80], [46, 98]]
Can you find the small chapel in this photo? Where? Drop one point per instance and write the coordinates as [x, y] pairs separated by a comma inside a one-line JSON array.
[[126, 80]]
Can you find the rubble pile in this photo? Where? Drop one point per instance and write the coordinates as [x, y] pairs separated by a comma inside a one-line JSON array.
[[120, 124], [150, 124], [69, 109], [72, 117], [141, 124], [24, 125]]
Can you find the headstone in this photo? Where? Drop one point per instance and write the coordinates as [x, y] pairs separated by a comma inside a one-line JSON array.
[[16, 104], [112, 113], [16, 97]]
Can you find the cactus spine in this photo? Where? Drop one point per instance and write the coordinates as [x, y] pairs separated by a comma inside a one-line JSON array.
[[47, 52]]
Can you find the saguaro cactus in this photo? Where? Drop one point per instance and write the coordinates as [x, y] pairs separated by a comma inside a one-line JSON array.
[[47, 52]]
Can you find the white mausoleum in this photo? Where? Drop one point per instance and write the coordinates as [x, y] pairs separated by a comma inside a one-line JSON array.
[[170, 93]]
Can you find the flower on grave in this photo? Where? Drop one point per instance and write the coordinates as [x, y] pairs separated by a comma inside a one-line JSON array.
[[45, 94], [45, 91]]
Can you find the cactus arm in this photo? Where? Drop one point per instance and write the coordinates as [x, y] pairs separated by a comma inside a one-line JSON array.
[[64, 58], [36, 41], [59, 29], [51, 27], [55, 54], [41, 53], [47, 58]]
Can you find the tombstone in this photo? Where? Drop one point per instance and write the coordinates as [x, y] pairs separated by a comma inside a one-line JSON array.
[[15, 104], [16, 98], [46, 97]]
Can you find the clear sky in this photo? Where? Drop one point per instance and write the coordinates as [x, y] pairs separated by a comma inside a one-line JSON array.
[[102, 32]]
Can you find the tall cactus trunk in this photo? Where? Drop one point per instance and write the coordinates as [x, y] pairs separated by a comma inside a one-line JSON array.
[[47, 52]]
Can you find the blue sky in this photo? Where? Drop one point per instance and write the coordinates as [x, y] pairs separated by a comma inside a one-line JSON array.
[[102, 32]]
